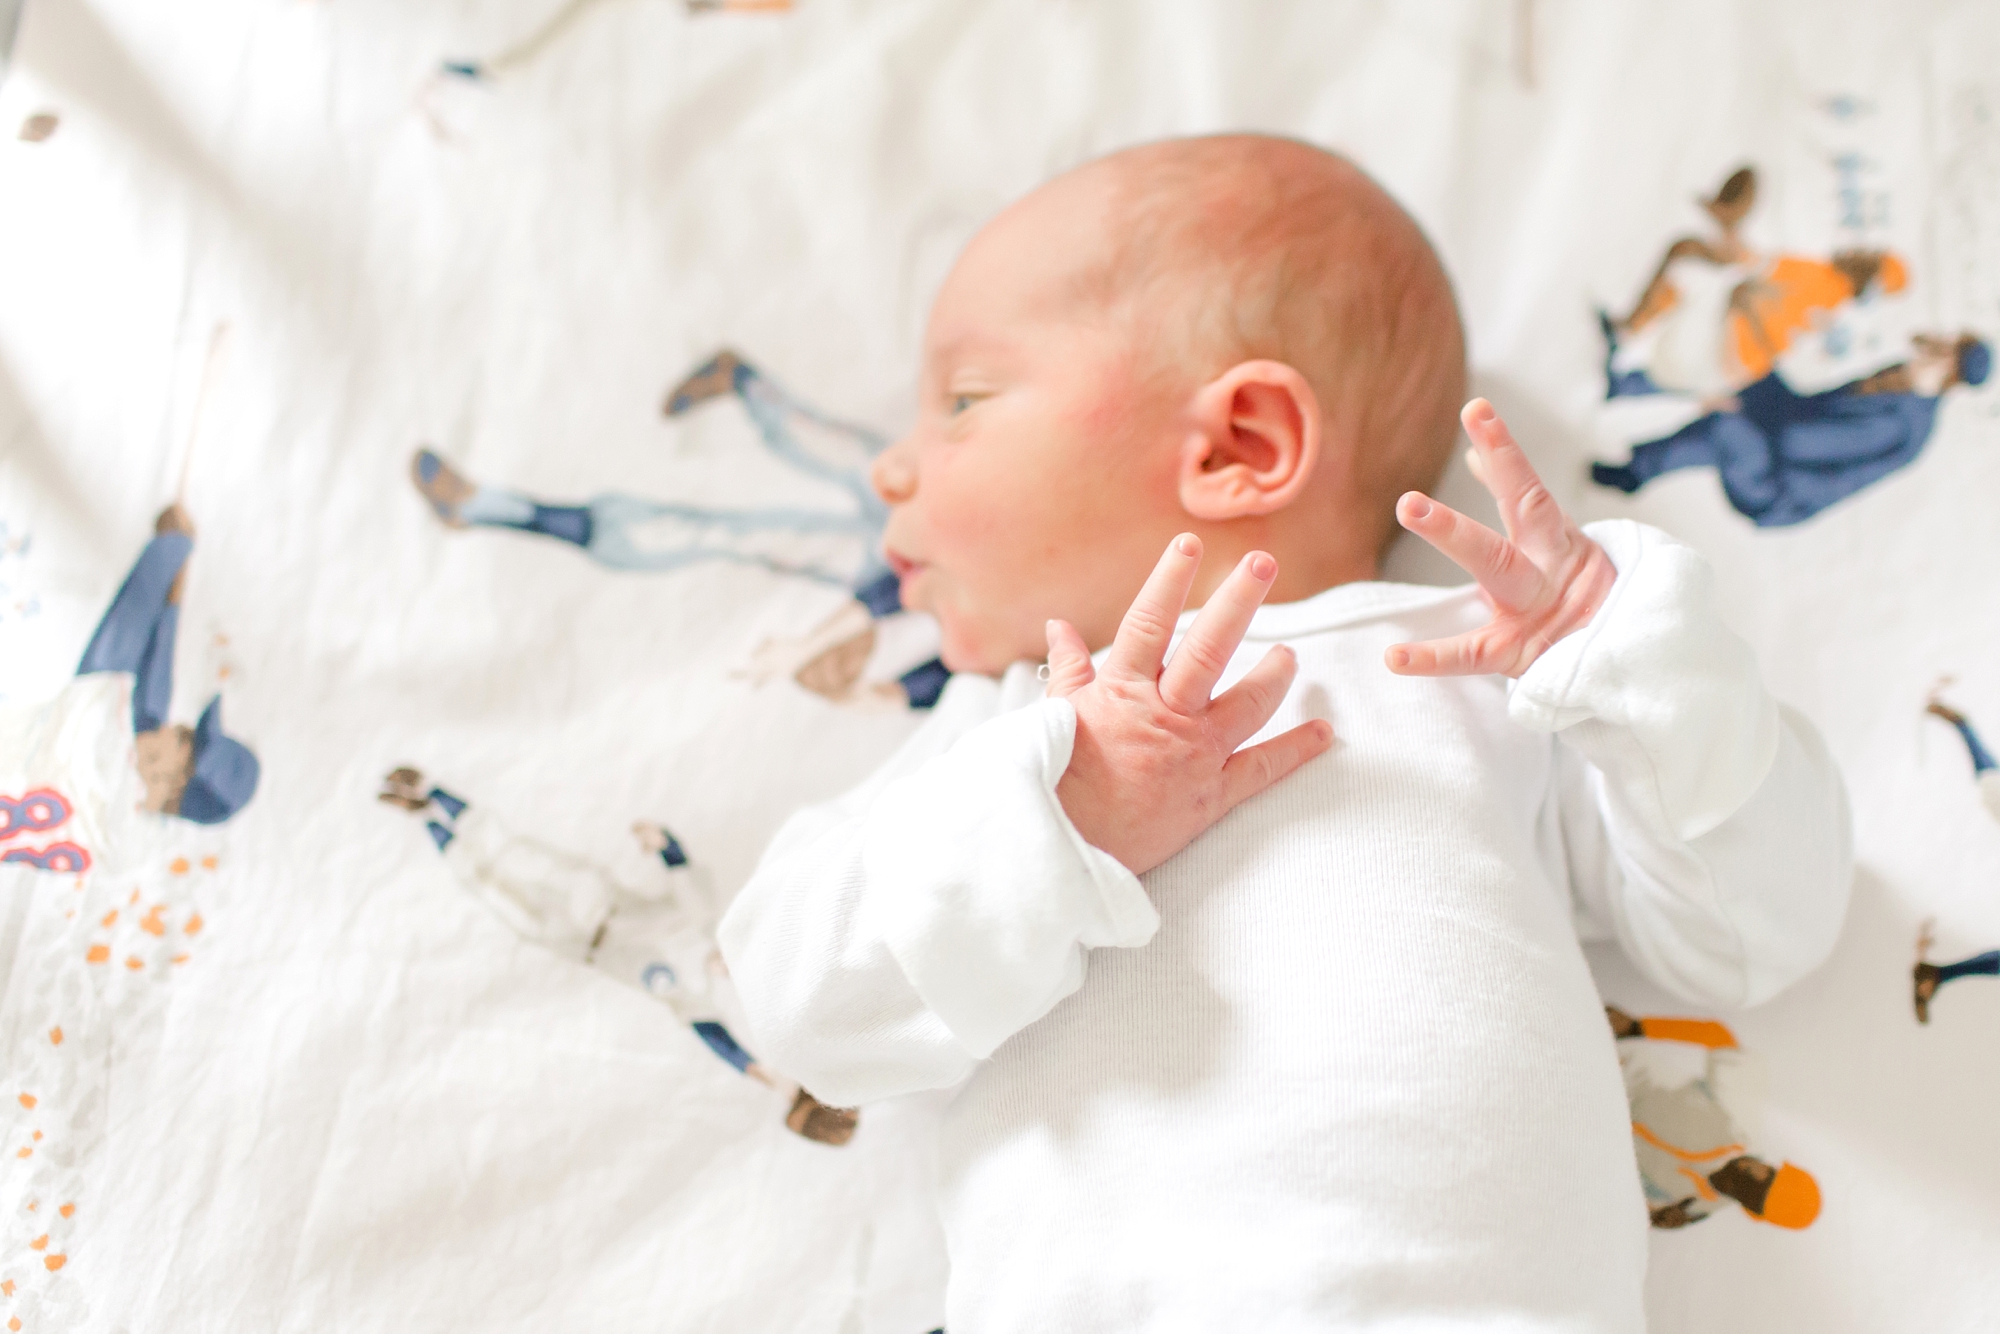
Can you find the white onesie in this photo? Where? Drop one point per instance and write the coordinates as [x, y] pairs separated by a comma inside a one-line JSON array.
[[1339, 1063]]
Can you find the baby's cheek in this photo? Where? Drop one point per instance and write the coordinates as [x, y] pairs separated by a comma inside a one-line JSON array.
[[971, 525], [1106, 414]]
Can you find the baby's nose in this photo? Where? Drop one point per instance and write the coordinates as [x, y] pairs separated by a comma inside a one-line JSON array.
[[892, 475]]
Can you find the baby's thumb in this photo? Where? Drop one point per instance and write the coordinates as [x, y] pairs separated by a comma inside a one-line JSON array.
[[1069, 660]]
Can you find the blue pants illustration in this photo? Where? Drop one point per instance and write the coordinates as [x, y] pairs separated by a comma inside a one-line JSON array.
[[1985, 773], [1783, 457], [137, 636], [1621, 383], [1929, 978], [1979, 965], [138, 630], [1975, 749], [443, 831], [722, 1044], [626, 532]]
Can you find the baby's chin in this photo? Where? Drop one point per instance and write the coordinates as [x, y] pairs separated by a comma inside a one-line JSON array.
[[959, 656], [971, 644]]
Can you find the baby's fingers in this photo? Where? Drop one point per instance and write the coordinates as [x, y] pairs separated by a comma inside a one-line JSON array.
[[1141, 643], [1507, 575], [1470, 654], [1251, 771], [1501, 465], [1204, 652], [1237, 713], [1069, 660]]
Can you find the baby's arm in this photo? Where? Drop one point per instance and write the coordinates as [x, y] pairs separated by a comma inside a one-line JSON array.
[[1705, 824], [890, 941]]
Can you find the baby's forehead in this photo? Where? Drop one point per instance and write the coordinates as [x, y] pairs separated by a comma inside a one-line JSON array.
[[1049, 233], [1039, 260]]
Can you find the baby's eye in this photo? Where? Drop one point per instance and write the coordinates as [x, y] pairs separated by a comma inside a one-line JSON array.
[[960, 402]]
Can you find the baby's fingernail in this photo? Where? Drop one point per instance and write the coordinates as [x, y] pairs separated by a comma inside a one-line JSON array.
[[1479, 410], [1418, 505], [1186, 545], [1399, 657], [1262, 566]]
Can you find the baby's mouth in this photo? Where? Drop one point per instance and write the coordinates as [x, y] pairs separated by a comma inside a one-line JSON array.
[[902, 565]]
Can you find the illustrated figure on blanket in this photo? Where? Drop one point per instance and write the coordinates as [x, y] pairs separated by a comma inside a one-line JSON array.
[[1927, 977], [95, 784], [72, 768], [851, 657], [1692, 1138], [1712, 324], [1716, 316], [1783, 456], [1985, 772], [659, 939], [487, 71]]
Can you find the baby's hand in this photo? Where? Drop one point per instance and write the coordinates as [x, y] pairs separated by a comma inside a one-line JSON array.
[[1543, 580], [1155, 761]]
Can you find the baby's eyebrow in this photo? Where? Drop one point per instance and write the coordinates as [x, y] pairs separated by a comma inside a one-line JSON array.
[[961, 345]]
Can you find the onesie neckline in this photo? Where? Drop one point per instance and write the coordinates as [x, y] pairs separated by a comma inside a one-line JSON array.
[[1341, 605]]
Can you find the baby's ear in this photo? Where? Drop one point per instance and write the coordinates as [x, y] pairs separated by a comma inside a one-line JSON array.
[[1254, 442]]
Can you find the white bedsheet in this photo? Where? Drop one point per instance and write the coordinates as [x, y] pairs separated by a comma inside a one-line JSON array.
[[360, 1104]]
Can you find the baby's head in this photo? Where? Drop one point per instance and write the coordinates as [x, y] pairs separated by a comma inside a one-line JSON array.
[[1241, 337]]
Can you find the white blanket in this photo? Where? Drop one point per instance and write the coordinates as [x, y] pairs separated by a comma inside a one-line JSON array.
[[360, 1103]]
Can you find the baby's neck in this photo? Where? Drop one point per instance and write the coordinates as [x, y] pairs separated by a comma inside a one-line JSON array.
[[1302, 573]]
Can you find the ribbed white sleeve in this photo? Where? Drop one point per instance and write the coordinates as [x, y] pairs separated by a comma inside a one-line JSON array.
[[891, 940], [1707, 828]]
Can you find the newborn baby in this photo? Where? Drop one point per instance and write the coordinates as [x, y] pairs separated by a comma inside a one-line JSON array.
[[1265, 1009]]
